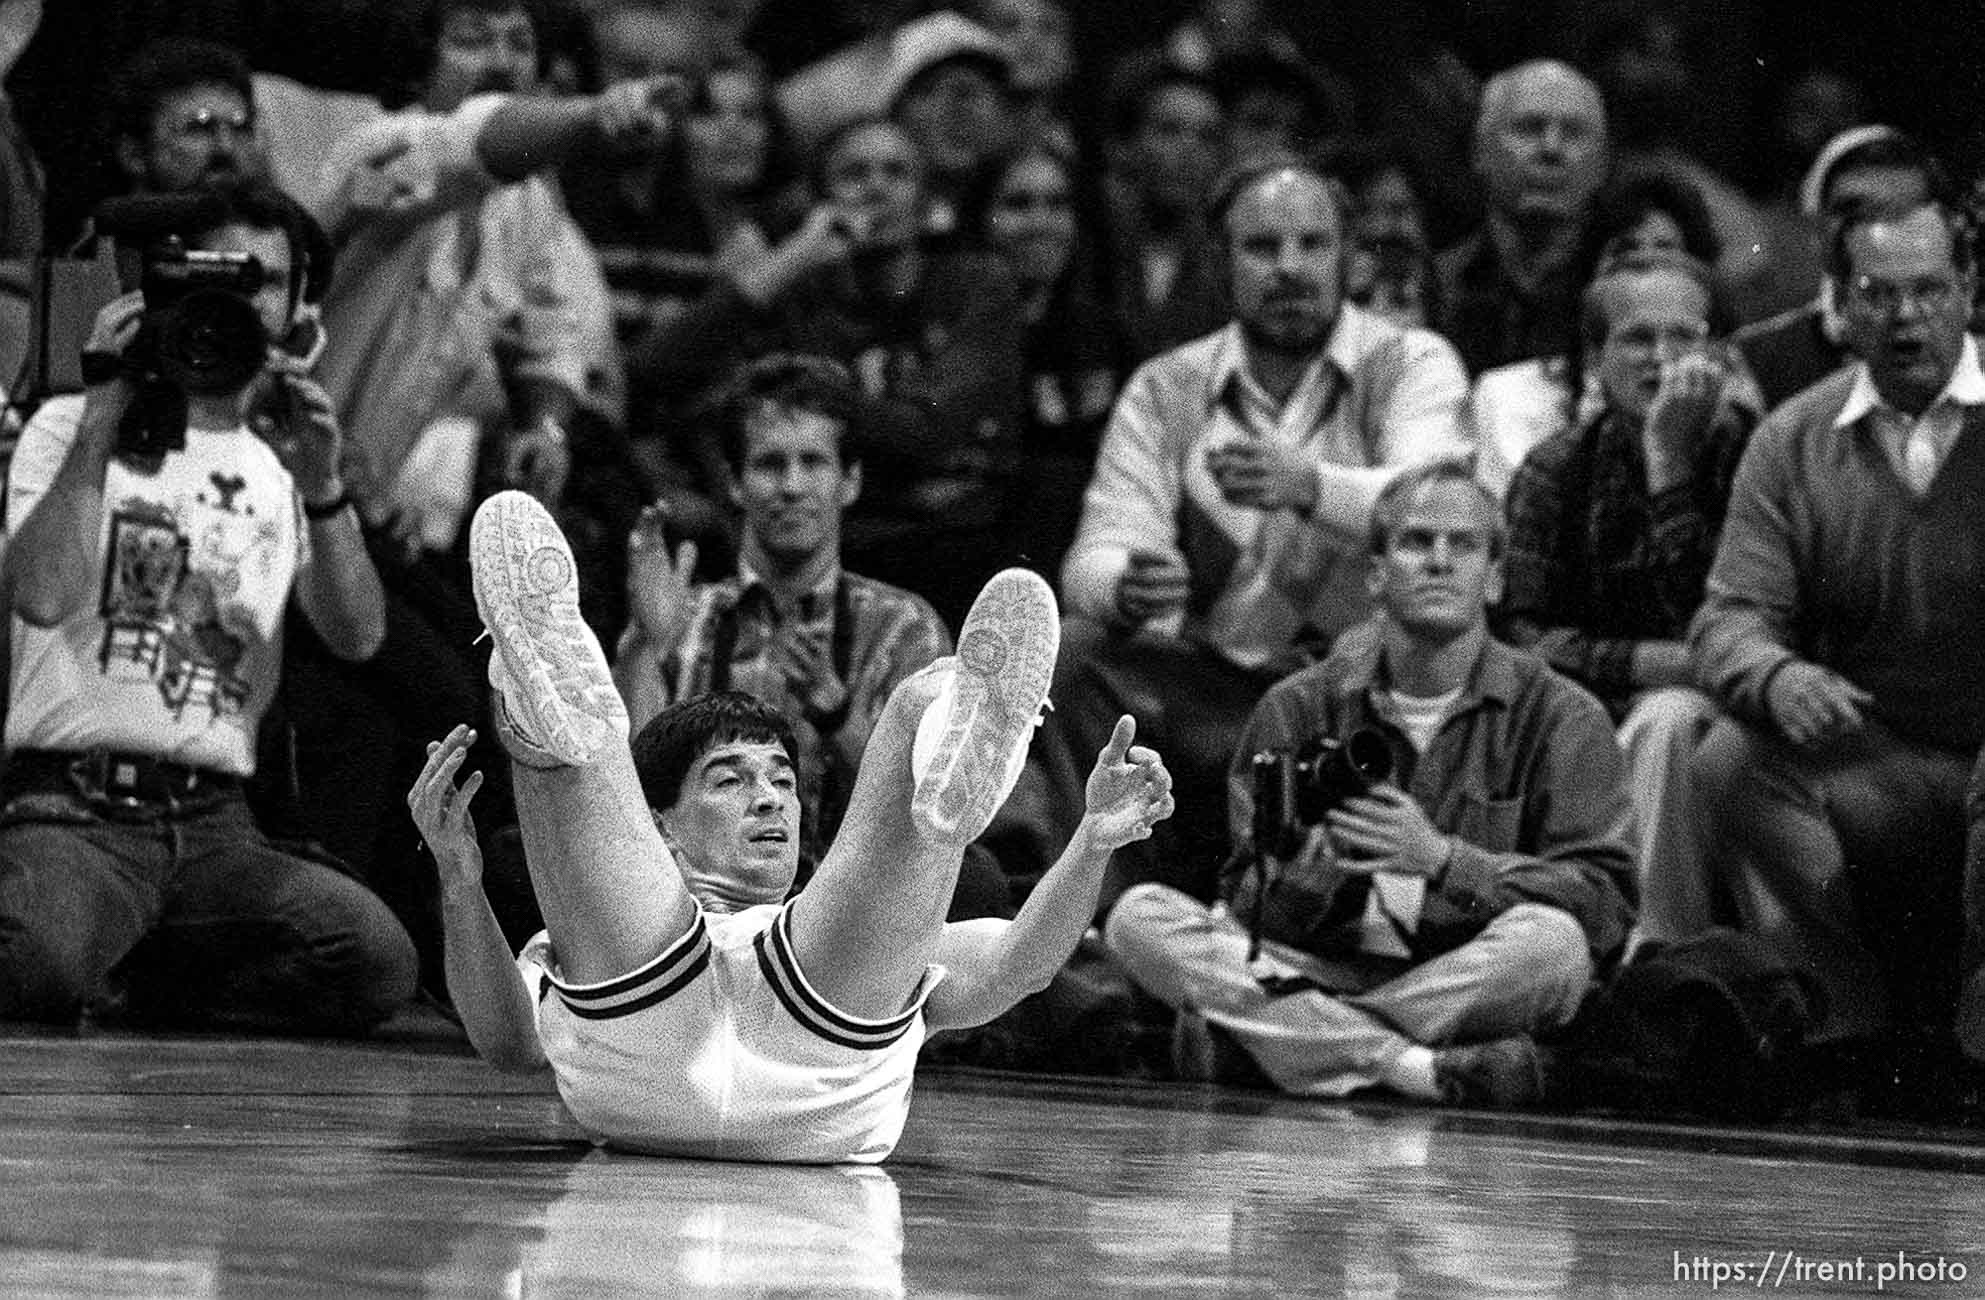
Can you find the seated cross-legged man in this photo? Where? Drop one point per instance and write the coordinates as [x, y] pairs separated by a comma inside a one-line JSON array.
[[1410, 932], [684, 1002]]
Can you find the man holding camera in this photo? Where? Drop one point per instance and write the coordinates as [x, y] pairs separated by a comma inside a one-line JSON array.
[[161, 525], [1427, 926]]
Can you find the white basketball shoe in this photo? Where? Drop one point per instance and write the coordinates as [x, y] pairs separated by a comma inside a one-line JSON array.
[[972, 740], [556, 702]]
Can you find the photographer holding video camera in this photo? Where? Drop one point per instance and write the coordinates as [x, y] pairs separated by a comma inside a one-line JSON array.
[[161, 524], [1431, 834]]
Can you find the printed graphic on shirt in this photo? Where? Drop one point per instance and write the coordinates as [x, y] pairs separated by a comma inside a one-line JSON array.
[[170, 606]]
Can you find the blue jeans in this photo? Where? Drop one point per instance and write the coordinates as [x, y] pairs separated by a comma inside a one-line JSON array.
[[204, 922]]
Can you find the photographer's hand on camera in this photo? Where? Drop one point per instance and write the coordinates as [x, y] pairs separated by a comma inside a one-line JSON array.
[[108, 386], [1386, 830], [293, 414]]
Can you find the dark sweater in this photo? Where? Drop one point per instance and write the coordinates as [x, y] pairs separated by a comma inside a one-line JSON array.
[[1827, 556]]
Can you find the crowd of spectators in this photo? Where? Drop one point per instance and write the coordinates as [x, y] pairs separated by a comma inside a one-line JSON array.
[[1478, 415]]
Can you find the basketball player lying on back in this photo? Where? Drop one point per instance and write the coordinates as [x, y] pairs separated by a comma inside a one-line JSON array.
[[684, 1003]]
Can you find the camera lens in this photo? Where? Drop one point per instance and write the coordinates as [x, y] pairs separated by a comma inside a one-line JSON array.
[[210, 341]]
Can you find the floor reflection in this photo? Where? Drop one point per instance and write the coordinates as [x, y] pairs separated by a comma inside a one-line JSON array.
[[631, 1225], [223, 1168]]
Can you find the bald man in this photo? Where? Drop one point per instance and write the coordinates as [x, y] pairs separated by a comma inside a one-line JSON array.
[[1540, 154], [1222, 537]]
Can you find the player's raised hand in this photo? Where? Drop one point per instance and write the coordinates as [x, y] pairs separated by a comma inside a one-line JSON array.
[[441, 809], [1129, 790]]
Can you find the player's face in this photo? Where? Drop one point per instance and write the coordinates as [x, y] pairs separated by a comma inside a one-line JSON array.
[[737, 822]]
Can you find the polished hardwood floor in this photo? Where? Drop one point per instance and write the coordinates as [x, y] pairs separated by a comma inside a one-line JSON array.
[[226, 1167]]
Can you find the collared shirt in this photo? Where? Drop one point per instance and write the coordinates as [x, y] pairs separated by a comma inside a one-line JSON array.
[[1917, 446], [875, 634], [1379, 398], [1596, 563], [1524, 776], [1828, 556]]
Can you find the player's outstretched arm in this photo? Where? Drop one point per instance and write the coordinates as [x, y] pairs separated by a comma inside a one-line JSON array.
[[995, 963], [483, 979]]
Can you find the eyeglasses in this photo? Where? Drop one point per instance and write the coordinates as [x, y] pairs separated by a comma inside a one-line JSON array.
[[1886, 297], [209, 125]]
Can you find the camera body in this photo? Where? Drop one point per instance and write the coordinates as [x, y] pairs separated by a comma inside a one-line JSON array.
[[1294, 789], [200, 333]]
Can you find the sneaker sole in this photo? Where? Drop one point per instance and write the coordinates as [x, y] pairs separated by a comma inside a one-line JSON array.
[[561, 695], [1006, 659]]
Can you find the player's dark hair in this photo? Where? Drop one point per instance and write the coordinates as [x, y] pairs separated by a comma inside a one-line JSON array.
[[668, 747]]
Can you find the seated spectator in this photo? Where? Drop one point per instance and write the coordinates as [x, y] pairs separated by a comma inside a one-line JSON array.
[[932, 334], [792, 627], [1840, 633], [1612, 528], [1221, 536], [149, 568], [1040, 55], [1508, 288], [949, 86], [1516, 407], [1391, 271], [1076, 358], [1425, 927], [183, 112], [1159, 262], [1866, 169]]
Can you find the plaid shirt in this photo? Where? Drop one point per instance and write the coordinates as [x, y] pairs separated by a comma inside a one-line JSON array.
[[1596, 564], [877, 635]]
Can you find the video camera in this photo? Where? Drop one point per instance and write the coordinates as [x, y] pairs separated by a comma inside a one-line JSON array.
[[200, 332], [1294, 789]]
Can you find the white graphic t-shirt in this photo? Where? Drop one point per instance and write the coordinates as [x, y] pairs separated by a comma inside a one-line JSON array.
[[178, 649]]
